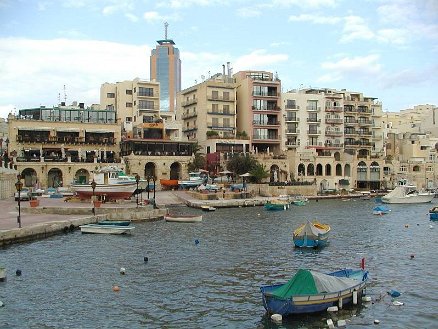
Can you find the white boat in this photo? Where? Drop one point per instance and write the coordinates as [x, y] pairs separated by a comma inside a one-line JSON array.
[[109, 183], [195, 179], [208, 208], [183, 219], [405, 192], [106, 229]]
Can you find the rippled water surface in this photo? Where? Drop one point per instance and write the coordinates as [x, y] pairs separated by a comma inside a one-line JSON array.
[[67, 280]]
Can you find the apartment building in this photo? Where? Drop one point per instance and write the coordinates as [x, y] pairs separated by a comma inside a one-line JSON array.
[[259, 110]]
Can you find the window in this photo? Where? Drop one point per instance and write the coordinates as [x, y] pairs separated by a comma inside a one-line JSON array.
[[143, 91], [145, 105], [215, 94], [290, 104], [128, 119], [226, 96], [215, 122], [128, 91], [226, 122], [128, 104], [403, 168], [215, 108], [226, 109], [111, 95]]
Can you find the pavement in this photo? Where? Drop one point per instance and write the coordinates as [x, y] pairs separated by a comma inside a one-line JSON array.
[[9, 209]]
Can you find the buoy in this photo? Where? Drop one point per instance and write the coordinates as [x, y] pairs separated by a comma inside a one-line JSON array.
[[397, 303], [332, 309], [330, 323], [430, 226], [354, 297], [276, 318], [366, 299], [18, 272], [406, 225], [342, 323], [122, 270], [196, 241], [116, 288], [394, 293], [376, 321], [258, 214], [145, 259]]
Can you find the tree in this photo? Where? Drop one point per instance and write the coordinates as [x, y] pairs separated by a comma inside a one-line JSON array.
[[241, 164], [198, 163], [258, 173]]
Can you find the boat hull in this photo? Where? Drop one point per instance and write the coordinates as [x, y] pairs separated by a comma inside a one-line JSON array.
[[114, 222], [183, 219], [115, 191], [420, 198], [433, 214], [311, 235], [168, 183], [301, 304], [106, 229]]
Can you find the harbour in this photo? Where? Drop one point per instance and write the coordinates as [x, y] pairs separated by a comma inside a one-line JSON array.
[[208, 274]]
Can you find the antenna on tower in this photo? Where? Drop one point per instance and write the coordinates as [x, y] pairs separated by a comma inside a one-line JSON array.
[[165, 30], [65, 95]]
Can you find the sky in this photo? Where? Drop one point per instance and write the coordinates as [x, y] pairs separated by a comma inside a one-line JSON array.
[[64, 50]]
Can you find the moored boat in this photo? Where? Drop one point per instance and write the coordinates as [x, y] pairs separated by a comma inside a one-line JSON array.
[[168, 184], [381, 210], [183, 218], [115, 222], [108, 184], [195, 179], [311, 291], [433, 213], [405, 193], [106, 229], [277, 204], [208, 208], [311, 235], [300, 200]]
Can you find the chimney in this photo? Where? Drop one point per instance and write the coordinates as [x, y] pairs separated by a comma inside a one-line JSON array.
[[223, 71], [228, 70]]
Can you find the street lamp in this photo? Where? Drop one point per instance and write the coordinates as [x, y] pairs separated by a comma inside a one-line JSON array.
[[93, 187], [137, 178], [148, 178], [154, 179], [19, 186]]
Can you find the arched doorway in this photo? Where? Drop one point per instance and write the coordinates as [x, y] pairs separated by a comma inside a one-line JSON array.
[[319, 169], [149, 170], [274, 172], [30, 178], [362, 175], [82, 176], [54, 178], [175, 170], [310, 169], [374, 176]]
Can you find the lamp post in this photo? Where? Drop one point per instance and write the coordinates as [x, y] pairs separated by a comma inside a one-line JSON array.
[[154, 178], [137, 178], [147, 188], [19, 186], [93, 187]]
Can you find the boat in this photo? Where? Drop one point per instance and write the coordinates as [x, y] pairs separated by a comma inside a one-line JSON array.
[[405, 193], [168, 184], [195, 179], [311, 235], [183, 219], [300, 200], [208, 208], [115, 222], [277, 204], [109, 183], [106, 229], [433, 213], [381, 210], [311, 291]]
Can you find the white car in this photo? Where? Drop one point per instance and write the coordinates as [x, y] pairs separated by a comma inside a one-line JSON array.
[[25, 195]]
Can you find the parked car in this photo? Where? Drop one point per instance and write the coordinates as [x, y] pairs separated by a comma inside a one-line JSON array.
[[25, 195]]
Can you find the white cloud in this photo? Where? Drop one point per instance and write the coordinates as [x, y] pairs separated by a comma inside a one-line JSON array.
[[177, 4], [33, 72], [306, 3], [258, 59], [133, 18], [355, 28], [154, 16], [315, 19], [248, 12], [359, 66]]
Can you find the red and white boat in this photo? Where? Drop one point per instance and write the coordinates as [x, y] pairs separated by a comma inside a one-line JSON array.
[[108, 184]]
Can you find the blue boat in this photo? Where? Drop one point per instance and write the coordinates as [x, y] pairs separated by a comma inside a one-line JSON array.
[[277, 205], [311, 291], [433, 213], [381, 210], [311, 235]]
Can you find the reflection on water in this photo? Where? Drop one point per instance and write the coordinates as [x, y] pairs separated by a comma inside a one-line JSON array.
[[67, 280]]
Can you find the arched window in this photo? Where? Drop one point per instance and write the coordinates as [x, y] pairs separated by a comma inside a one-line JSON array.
[[338, 170], [328, 170]]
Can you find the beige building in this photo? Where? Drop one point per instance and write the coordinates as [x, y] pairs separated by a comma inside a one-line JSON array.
[[259, 110]]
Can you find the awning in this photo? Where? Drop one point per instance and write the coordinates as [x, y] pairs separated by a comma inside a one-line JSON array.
[[68, 129], [35, 128], [98, 131]]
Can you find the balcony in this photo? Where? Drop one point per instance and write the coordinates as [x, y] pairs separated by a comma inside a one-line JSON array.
[[269, 94], [292, 131], [212, 112], [220, 98], [313, 108], [291, 119], [334, 120], [313, 120], [189, 129], [350, 133], [314, 132], [265, 138], [333, 133], [189, 115], [189, 102], [220, 127], [292, 144], [334, 109], [266, 123], [292, 107]]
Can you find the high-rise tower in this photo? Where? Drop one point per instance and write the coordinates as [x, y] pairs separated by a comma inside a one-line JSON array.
[[166, 69]]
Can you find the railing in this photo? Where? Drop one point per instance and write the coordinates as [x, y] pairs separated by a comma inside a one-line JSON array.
[[313, 120], [291, 118], [189, 102], [189, 115]]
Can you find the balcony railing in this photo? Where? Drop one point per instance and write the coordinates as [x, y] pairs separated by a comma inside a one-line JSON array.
[[334, 109], [292, 131], [334, 120], [220, 98], [189, 102], [313, 120], [292, 118], [314, 132], [313, 108], [266, 123], [189, 115], [333, 133]]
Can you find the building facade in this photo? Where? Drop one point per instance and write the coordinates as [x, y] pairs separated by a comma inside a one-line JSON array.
[[165, 68]]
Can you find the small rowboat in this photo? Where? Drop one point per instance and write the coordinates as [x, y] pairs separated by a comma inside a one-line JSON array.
[[114, 222], [183, 219], [106, 229], [208, 208], [311, 235]]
